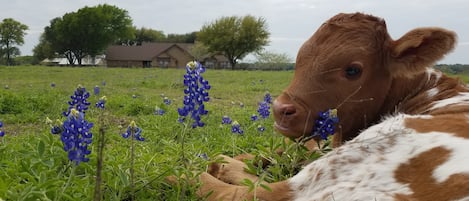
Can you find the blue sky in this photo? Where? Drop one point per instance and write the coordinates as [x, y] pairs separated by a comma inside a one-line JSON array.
[[290, 22]]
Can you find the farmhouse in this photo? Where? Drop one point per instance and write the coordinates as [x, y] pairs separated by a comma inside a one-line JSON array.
[[167, 55]]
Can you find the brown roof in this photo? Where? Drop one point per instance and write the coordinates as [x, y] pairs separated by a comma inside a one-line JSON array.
[[144, 52]]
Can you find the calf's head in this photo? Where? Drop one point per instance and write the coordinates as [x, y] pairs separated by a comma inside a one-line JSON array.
[[352, 64]]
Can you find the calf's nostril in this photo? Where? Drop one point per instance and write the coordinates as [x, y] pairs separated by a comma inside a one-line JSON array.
[[283, 109], [289, 110]]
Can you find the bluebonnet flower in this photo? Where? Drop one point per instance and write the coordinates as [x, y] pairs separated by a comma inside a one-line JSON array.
[[52, 84], [101, 102], [133, 130], [324, 125], [268, 98], [166, 101], [264, 109], [264, 106], [2, 133], [55, 128], [236, 128], [254, 117], [96, 90], [226, 120], [159, 111], [79, 100], [260, 128], [203, 156], [76, 136], [195, 94]]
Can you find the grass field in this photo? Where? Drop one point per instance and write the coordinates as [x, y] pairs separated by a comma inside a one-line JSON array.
[[34, 166]]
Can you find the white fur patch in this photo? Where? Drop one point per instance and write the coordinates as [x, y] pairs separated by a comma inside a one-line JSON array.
[[432, 92], [363, 168], [432, 71], [461, 99]]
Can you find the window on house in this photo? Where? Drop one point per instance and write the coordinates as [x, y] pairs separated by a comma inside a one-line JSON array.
[[209, 64], [146, 63], [225, 64], [163, 62]]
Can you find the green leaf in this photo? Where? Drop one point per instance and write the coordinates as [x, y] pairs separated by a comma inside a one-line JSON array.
[[40, 148]]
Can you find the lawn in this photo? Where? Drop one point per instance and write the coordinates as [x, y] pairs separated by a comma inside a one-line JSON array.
[[34, 165]]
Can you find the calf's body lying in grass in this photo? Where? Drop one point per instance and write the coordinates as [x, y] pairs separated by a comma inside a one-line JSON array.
[[417, 147]]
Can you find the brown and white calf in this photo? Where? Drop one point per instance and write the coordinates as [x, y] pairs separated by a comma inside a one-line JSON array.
[[404, 126]]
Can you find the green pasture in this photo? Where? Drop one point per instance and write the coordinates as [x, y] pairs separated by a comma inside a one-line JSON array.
[[33, 165]]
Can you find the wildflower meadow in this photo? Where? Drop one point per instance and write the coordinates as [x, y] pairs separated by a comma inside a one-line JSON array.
[[96, 133]]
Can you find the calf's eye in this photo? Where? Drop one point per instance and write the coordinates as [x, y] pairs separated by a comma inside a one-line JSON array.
[[353, 71]]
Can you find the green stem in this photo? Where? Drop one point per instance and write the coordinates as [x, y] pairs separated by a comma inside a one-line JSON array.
[[99, 166], [72, 174], [132, 155]]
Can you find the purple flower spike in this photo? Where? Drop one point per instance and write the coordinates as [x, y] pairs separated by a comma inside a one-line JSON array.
[[226, 120], [133, 129], [196, 93], [325, 124], [236, 128], [2, 133]]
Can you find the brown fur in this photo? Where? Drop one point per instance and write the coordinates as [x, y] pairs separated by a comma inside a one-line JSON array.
[[392, 79], [418, 174], [456, 124]]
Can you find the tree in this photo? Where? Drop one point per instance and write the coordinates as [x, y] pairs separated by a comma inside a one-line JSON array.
[[11, 32], [268, 57], [181, 38], [273, 61], [199, 51], [148, 35], [42, 50], [88, 31], [235, 37]]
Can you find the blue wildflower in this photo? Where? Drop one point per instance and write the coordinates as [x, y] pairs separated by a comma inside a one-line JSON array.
[[268, 98], [226, 120], [76, 136], [96, 90], [79, 100], [264, 109], [2, 133], [236, 128], [324, 125], [133, 130], [52, 84], [55, 128], [101, 102], [195, 94], [260, 128], [166, 101], [159, 111], [203, 156], [254, 117]]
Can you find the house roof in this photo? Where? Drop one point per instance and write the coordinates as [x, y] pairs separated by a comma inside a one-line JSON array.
[[144, 52]]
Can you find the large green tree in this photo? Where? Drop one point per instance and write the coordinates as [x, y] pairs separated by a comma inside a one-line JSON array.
[[12, 33], [88, 31], [235, 37]]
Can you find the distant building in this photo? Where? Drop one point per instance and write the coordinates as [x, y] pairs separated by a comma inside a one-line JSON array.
[[86, 61], [167, 55]]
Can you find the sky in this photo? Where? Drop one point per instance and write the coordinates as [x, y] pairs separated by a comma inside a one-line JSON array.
[[290, 22]]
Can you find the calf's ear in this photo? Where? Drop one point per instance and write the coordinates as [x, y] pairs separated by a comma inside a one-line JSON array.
[[419, 49]]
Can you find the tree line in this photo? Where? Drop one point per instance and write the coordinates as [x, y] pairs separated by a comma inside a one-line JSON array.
[[90, 30]]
